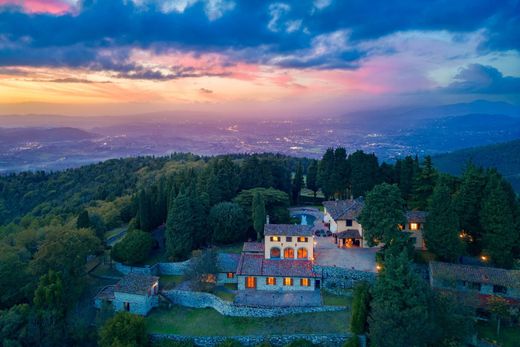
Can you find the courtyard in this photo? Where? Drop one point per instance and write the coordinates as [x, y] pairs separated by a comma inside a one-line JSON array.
[[327, 253]]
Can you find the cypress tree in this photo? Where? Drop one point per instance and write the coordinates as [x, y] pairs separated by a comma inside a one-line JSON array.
[[360, 308], [400, 312], [468, 201], [424, 184], [441, 232], [381, 215], [325, 171], [145, 218], [498, 224], [312, 177], [259, 215], [297, 184], [179, 228], [83, 220]]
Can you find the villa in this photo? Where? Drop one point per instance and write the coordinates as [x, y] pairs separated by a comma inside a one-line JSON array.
[[134, 293], [475, 282], [341, 216], [283, 262]]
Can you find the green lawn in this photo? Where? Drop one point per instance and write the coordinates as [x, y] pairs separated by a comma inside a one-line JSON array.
[[170, 281], [206, 322], [336, 300], [509, 336]]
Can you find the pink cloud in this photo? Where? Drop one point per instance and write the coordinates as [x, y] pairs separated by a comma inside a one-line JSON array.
[[40, 6]]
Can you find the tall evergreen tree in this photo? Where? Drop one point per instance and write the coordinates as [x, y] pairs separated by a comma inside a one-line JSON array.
[[407, 171], [297, 184], [500, 231], [441, 232], [468, 201], [144, 210], [259, 215], [83, 220], [341, 173], [364, 170], [424, 184], [312, 177], [382, 214], [325, 172], [400, 311], [179, 228]]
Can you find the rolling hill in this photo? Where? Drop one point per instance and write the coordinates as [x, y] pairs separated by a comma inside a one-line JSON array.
[[503, 156]]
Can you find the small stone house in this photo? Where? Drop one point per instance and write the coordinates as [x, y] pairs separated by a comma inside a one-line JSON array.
[[227, 266], [481, 281], [282, 263], [134, 293]]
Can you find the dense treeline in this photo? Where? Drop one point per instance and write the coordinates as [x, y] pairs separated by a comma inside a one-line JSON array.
[[52, 222]]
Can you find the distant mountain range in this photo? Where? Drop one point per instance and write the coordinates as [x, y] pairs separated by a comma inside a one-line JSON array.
[[505, 157]]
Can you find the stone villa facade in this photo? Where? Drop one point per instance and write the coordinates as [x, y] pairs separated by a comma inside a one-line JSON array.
[[341, 216], [134, 293], [481, 281], [282, 263]]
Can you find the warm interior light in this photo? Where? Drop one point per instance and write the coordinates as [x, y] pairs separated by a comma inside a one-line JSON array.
[[414, 226]]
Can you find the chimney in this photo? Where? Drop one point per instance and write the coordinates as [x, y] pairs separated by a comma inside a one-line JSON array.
[[267, 219]]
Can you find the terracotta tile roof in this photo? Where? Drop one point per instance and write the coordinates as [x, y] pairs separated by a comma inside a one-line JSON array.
[[479, 274], [288, 229], [344, 209], [227, 262], [349, 234], [253, 247], [256, 265], [416, 216], [106, 293], [135, 284]]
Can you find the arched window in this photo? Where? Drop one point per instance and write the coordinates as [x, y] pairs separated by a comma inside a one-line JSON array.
[[302, 253], [275, 253], [288, 253]]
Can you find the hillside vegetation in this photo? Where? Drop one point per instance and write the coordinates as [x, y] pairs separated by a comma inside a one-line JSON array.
[[505, 157]]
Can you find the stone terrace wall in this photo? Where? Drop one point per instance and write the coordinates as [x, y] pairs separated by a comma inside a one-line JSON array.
[[156, 269], [203, 300], [332, 340], [336, 278]]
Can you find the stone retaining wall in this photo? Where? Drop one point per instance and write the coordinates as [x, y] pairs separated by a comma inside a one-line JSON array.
[[226, 308], [336, 278], [332, 340], [156, 269]]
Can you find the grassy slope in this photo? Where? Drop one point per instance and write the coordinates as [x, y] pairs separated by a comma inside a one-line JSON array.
[[206, 322], [503, 156]]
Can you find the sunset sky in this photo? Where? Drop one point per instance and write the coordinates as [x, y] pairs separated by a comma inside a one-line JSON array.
[[229, 56]]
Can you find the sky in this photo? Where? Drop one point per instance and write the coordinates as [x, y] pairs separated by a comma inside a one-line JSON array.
[[263, 57]]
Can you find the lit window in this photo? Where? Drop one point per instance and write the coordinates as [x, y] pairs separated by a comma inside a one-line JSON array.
[[414, 226], [250, 282], [401, 227], [270, 281], [303, 239], [230, 275], [304, 282], [275, 253], [288, 253], [287, 281], [302, 253], [275, 238]]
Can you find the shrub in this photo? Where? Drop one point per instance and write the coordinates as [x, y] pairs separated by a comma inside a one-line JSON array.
[[134, 248], [353, 341], [360, 308], [124, 329]]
